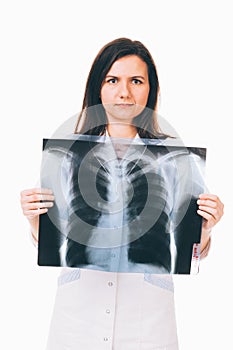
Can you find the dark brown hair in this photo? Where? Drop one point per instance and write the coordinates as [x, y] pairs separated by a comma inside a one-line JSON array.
[[92, 118]]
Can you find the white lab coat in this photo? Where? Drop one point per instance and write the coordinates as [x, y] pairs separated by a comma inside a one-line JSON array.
[[107, 310]]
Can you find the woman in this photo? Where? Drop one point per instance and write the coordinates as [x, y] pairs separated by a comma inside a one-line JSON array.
[[115, 310]]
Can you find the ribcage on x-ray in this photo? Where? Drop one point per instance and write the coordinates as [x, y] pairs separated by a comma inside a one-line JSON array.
[[148, 206], [118, 190], [83, 216]]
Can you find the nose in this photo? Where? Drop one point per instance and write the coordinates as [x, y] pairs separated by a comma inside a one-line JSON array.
[[124, 90]]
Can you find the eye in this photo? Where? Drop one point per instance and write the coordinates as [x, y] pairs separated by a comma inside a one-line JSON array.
[[136, 81], [111, 80]]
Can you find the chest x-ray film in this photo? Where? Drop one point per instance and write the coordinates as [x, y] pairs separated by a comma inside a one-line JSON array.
[[122, 205]]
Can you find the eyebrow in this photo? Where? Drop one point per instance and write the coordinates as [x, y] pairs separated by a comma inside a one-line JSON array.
[[133, 77]]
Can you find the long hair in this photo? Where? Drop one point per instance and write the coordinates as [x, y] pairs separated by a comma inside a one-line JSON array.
[[92, 118]]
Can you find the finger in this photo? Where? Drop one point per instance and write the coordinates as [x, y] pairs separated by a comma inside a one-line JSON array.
[[32, 191], [207, 203], [35, 212], [37, 205], [213, 212], [205, 215], [210, 196], [37, 198]]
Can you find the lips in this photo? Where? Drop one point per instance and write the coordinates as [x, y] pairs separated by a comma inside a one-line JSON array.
[[124, 104]]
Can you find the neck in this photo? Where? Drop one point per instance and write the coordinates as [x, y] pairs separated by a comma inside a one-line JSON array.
[[121, 130]]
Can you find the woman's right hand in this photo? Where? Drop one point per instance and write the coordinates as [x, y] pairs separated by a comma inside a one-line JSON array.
[[34, 202]]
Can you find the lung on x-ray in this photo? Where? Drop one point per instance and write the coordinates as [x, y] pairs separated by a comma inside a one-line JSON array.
[[122, 205]]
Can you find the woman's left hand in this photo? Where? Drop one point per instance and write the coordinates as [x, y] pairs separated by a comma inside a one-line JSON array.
[[211, 209]]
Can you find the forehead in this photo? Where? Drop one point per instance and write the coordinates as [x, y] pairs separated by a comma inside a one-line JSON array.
[[131, 65]]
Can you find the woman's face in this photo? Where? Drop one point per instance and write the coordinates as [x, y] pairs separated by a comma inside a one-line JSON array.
[[125, 89]]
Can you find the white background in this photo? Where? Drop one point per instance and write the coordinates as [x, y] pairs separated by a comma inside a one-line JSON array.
[[47, 48]]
